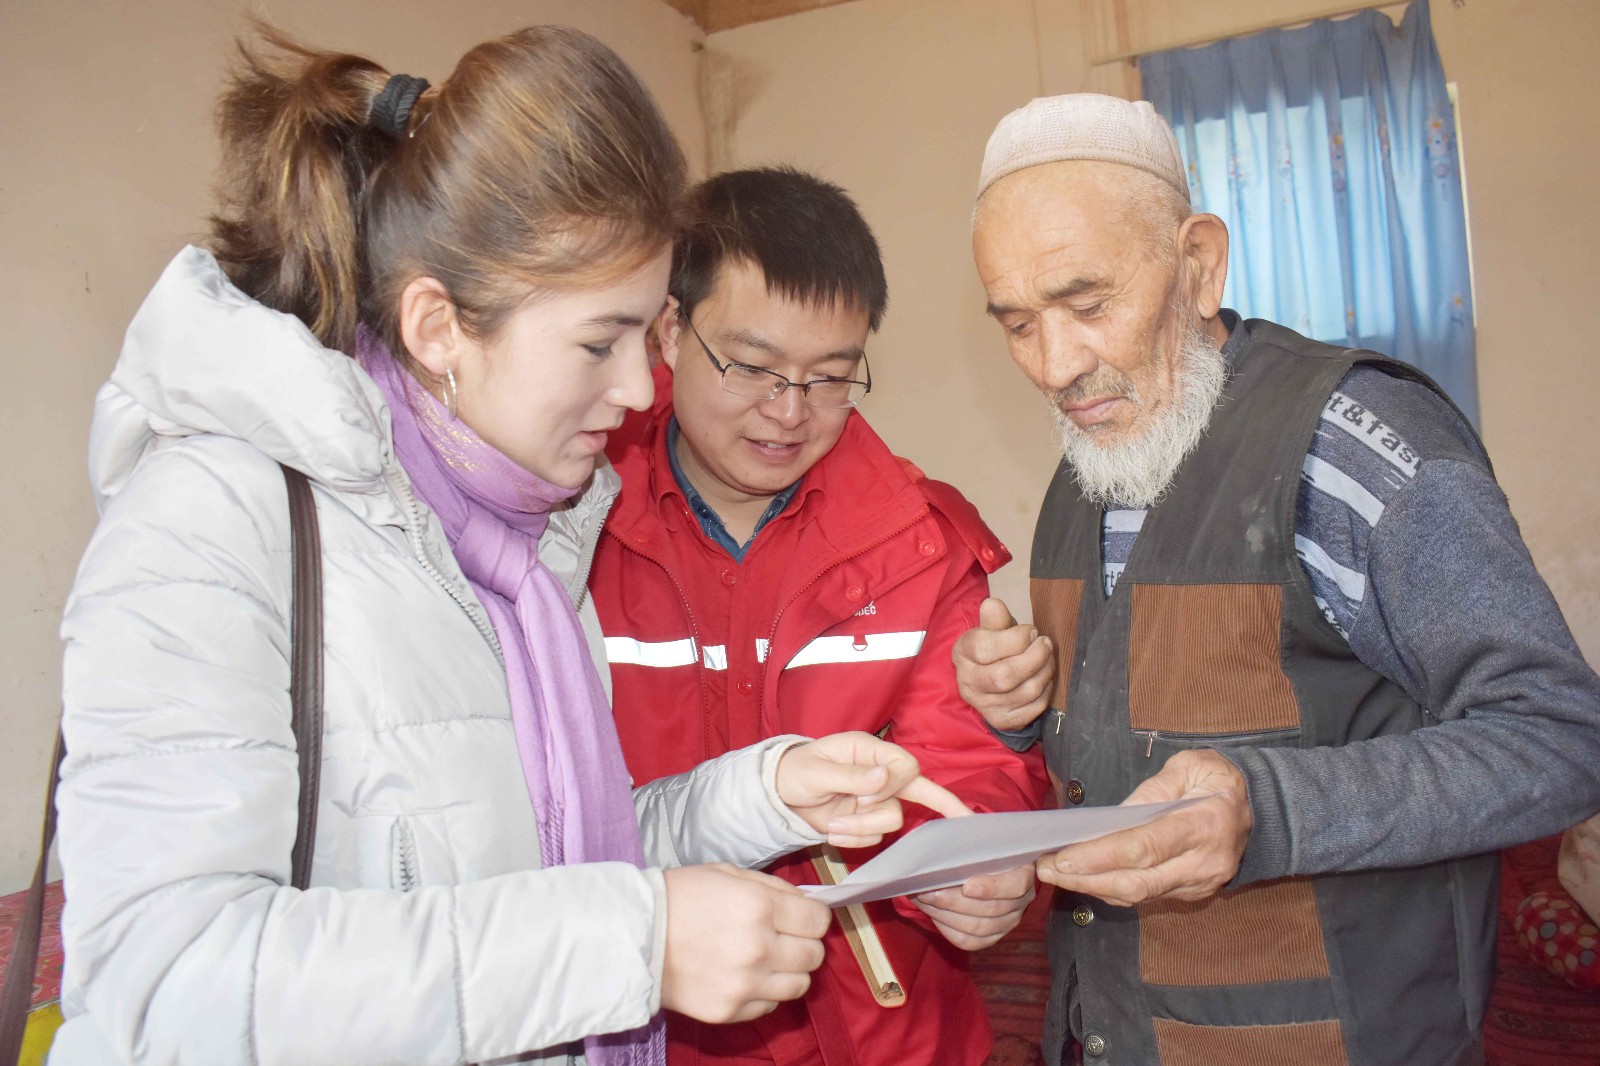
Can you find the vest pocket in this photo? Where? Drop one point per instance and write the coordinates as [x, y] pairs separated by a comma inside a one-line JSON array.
[[1303, 1044], [1208, 659], [1053, 739], [1159, 745], [1259, 934], [1055, 613]]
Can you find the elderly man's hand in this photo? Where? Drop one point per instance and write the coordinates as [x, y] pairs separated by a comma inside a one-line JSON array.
[[1188, 854], [981, 911], [1003, 669]]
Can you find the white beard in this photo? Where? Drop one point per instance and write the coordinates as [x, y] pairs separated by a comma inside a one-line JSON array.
[[1137, 473]]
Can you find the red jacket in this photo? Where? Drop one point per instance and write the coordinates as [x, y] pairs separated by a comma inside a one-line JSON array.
[[858, 590]]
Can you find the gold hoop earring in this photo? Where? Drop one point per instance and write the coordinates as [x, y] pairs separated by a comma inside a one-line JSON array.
[[450, 391]]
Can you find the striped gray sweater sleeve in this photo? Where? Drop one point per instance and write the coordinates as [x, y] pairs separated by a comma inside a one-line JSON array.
[[1420, 564]]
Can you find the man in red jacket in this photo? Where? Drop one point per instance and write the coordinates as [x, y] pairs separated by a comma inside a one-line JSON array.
[[772, 568]]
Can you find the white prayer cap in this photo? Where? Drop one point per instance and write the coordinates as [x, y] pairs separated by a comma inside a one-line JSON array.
[[1052, 129]]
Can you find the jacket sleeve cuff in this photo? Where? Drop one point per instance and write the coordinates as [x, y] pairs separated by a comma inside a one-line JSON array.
[[1021, 739], [1269, 852], [658, 937], [769, 782], [724, 810]]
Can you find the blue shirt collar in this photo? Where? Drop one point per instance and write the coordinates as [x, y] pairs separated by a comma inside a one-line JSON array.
[[710, 522]]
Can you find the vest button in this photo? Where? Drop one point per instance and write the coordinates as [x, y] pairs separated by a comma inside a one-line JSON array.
[[1075, 792], [854, 593], [928, 548], [729, 578], [745, 687], [1082, 915], [1094, 1045]]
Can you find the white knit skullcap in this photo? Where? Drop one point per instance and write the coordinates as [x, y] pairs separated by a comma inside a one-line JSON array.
[[1052, 129]]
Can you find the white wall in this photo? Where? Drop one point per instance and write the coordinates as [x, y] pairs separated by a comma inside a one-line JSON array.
[[106, 155], [894, 99], [1524, 71]]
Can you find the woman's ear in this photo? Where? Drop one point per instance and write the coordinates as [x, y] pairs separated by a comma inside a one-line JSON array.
[[669, 329], [430, 326], [1203, 239]]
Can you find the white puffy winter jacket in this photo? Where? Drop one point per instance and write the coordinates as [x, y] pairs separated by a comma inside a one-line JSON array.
[[430, 934]]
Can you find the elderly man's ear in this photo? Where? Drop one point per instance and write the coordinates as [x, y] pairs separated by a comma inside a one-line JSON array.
[[1204, 240]]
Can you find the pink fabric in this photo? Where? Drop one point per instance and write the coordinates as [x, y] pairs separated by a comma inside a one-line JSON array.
[[493, 513]]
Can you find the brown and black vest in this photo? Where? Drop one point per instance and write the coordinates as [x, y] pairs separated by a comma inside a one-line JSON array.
[[1212, 638]]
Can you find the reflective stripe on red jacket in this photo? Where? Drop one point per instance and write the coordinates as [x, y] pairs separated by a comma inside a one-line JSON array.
[[841, 616]]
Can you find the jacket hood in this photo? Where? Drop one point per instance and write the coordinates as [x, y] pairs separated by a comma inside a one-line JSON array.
[[202, 357]]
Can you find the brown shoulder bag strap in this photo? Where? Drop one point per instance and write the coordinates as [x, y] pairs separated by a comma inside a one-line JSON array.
[[305, 698], [305, 666]]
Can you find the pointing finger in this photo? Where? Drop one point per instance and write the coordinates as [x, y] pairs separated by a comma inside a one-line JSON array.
[[935, 797]]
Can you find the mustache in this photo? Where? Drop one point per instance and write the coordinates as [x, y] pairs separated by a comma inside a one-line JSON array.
[[1137, 470], [1106, 382]]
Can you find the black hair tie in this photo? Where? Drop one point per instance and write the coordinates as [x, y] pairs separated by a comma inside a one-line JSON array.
[[391, 111]]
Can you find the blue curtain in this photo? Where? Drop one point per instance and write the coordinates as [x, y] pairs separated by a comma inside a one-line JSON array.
[[1329, 150]]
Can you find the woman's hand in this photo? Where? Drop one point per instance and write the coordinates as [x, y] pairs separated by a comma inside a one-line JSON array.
[[738, 942], [849, 786]]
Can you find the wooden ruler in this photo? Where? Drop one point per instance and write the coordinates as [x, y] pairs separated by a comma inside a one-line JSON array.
[[858, 930]]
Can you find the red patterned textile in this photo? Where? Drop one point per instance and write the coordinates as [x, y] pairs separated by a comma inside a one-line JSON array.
[[1555, 932], [47, 977], [1535, 1019], [1013, 977]]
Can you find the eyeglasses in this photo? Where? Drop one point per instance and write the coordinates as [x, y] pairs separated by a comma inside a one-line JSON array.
[[755, 383]]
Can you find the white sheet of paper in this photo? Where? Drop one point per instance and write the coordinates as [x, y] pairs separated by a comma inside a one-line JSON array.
[[947, 851]]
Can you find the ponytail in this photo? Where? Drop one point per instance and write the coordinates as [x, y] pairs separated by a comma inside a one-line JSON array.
[[297, 155], [541, 162]]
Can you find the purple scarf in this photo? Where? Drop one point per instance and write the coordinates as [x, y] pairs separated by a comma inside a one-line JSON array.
[[493, 513]]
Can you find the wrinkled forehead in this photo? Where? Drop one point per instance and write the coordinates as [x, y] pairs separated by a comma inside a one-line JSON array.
[[1074, 188], [1077, 217]]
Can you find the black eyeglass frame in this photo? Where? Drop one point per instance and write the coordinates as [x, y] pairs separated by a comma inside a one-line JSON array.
[[804, 386]]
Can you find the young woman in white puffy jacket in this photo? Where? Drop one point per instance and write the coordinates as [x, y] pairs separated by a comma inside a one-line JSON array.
[[433, 303]]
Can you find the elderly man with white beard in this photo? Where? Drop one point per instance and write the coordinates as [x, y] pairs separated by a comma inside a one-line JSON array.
[[1279, 576]]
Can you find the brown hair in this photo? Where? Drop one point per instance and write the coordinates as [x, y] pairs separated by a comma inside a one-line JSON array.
[[542, 162]]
